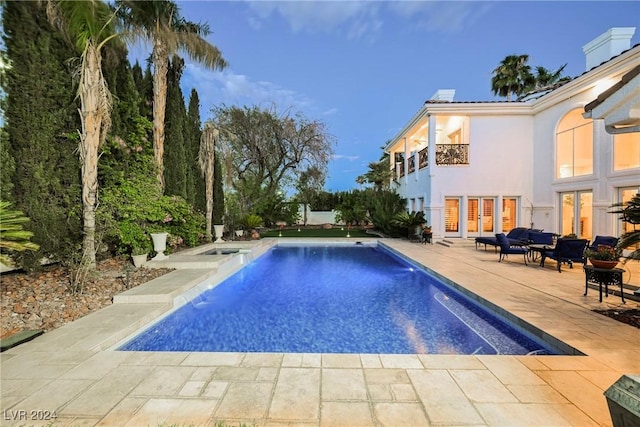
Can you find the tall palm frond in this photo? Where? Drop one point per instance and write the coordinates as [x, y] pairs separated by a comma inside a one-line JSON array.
[[88, 25], [160, 23], [512, 76]]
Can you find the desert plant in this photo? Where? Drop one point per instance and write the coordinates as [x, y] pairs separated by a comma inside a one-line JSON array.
[[251, 221], [409, 221], [385, 206], [12, 236]]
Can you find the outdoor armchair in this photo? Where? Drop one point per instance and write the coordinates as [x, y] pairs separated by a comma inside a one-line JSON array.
[[509, 248], [567, 251]]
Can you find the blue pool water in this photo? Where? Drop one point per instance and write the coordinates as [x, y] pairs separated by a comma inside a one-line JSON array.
[[334, 299]]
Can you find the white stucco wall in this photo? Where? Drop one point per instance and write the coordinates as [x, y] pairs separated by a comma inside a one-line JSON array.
[[603, 183], [500, 153], [316, 217], [512, 153]]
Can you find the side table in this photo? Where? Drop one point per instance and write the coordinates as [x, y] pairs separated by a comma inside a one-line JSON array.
[[603, 276]]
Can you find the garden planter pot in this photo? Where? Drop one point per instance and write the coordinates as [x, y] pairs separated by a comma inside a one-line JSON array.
[[139, 260], [598, 263], [218, 230], [159, 245]]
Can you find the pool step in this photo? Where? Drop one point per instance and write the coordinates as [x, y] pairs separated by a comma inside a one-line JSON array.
[[164, 289]]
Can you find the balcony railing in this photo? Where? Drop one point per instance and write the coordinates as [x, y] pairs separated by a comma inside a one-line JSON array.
[[412, 164], [452, 154], [423, 158]]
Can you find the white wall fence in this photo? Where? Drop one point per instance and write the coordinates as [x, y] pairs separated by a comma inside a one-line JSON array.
[[317, 217]]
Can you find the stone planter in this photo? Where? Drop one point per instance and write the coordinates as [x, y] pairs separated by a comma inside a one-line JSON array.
[[218, 230], [159, 245], [139, 260]]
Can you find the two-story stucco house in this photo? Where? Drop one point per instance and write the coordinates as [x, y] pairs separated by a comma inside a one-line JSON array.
[[555, 160]]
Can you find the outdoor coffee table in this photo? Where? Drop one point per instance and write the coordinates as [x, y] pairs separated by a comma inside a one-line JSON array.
[[603, 276], [536, 250]]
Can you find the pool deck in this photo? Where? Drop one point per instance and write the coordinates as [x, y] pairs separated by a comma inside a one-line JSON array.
[[74, 372]]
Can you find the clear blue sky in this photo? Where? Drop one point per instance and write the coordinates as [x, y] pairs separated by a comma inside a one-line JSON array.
[[365, 68]]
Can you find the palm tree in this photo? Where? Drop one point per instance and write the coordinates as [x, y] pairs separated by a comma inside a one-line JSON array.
[[512, 76], [12, 236], [379, 174], [206, 160], [545, 77], [159, 22], [88, 24]]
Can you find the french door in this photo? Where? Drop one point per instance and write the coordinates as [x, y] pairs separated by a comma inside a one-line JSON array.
[[576, 214], [481, 216]]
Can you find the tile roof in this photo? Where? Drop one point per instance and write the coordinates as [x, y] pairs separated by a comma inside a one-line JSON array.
[[613, 89], [540, 92]]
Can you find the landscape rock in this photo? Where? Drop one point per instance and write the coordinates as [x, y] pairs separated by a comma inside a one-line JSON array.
[[43, 300]]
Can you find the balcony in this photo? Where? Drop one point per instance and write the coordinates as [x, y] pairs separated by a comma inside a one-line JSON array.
[[412, 164], [423, 158], [452, 154]]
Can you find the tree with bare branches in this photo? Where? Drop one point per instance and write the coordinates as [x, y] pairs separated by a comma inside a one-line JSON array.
[[263, 151]]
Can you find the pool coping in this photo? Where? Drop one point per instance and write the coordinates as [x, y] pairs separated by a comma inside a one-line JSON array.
[[64, 370]]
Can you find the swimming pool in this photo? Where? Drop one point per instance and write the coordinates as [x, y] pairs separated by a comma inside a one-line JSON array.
[[335, 299]]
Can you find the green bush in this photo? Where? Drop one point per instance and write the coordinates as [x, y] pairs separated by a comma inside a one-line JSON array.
[[409, 221], [386, 205], [136, 208]]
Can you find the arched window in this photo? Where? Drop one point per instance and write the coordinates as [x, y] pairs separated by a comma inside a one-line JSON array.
[[574, 145]]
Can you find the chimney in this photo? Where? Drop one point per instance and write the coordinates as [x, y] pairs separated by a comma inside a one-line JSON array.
[[607, 45], [443, 95]]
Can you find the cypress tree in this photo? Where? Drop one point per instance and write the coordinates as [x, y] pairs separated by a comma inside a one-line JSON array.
[[119, 76], [41, 124], [144, 85], [174, 145], [195, 181], [8, 168]]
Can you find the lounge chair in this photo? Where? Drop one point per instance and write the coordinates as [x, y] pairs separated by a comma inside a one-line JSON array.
[[603, 240], [517, 236], [567, 251], [507, 248]]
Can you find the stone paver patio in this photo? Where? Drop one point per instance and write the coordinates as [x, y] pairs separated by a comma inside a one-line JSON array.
[[74, 371]]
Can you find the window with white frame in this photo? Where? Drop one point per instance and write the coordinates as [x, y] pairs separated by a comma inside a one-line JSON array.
[[574, 145], [626, 151]]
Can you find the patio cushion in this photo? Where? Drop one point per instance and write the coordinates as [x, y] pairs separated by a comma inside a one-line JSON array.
[[540, 238]]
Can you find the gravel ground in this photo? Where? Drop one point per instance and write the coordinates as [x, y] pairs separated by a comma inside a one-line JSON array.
[[43, 300]]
